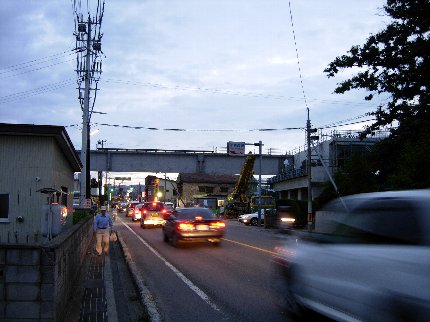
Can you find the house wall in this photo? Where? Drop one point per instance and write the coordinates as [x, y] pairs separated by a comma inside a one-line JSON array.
[[29, 163], [63, 176], [191, 190]]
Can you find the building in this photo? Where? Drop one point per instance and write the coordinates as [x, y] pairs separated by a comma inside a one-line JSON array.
[[33, 158], [328, 155], [168, 190], [193, 186]]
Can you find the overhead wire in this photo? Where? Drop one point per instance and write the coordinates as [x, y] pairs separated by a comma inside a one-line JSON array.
[[298, 59], [230, 92], [35, 62], [36, 91]]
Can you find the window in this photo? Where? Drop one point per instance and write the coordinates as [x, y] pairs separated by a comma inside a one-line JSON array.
[[206, 189], [382, 221], [191, 213], [64, 191], [4, 206]]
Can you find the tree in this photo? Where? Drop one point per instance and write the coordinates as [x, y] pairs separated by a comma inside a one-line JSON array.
[[395, 61]]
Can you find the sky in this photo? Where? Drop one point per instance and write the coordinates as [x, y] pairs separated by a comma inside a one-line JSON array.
[[221, 70]]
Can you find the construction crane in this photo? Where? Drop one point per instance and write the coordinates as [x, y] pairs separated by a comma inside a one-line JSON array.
[[237, 201]]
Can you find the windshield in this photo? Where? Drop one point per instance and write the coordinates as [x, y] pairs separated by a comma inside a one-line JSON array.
[[153, 206], [191, 213]]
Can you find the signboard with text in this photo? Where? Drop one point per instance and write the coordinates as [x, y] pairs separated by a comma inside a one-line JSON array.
[[123, 178], [236, 148], [87, 203]]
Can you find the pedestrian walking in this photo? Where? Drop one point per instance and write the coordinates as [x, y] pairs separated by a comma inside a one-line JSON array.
[[102, 228]]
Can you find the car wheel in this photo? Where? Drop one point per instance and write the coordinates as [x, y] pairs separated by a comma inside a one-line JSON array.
[[174, 240], [254, 221], [165, 237], [142, 224]]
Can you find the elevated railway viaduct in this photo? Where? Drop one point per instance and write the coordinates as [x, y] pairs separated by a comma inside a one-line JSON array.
[[179, 161]]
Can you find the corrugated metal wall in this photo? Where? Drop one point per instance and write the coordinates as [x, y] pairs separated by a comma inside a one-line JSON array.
[[27, 164]]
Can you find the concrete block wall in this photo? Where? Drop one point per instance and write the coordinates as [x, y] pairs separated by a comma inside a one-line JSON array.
[[36, 282]]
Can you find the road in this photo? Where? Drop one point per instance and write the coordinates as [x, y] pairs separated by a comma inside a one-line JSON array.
[[202, 282]]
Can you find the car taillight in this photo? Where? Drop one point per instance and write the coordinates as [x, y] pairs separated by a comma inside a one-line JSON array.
[[185, 226], [145, 211], [218, 224], [164, 211]]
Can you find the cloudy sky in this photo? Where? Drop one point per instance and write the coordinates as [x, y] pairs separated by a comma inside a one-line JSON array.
[[220, 69]]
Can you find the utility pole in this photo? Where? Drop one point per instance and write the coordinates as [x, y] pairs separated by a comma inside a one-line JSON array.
[[260, 153], [85, 183], [309, 139], [89, 67], [309, 172]]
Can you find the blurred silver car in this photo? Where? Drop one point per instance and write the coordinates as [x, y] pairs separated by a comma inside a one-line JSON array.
[[369, 262]]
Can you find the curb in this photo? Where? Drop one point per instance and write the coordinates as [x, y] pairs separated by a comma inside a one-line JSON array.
[[146, 297]]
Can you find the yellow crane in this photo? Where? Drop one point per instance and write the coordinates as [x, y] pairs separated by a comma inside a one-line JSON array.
[[237, 201]]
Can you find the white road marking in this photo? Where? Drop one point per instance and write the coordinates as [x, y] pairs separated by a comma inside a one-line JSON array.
[[178, 273]]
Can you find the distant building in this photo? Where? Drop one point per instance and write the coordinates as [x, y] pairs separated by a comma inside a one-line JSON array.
[[329, 155], [169, 190], [33, 157], [194, 186]]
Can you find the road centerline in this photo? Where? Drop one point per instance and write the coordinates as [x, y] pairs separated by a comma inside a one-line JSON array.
[[250, 246]]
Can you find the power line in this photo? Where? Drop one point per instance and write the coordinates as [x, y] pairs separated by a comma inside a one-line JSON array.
[[341, 123], [229, 92], [36, 69], [34, 62], [37, 91], [298, 59]]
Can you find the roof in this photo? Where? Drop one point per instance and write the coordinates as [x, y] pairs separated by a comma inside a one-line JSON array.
[[59, 133], [206, 178]]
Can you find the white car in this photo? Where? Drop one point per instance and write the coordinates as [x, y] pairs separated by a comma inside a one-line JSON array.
[[372, 262], [251, 219]]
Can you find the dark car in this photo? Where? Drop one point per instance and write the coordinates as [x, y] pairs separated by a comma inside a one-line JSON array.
[[169, 208], [193, 224], [130, 208], [121, 207], [152, 214]]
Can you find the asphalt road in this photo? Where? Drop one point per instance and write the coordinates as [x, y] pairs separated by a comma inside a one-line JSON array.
[[202, 282]]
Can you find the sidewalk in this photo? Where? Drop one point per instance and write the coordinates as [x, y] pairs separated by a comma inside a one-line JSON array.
[[105, 290]]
